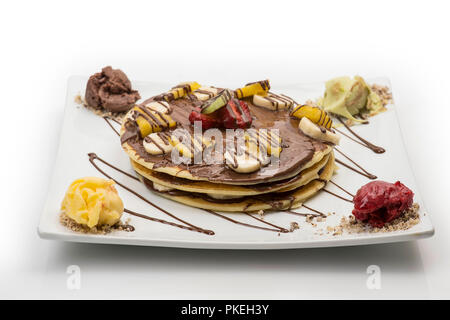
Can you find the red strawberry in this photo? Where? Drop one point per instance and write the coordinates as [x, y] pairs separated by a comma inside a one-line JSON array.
[[206, 120], [236, 115]]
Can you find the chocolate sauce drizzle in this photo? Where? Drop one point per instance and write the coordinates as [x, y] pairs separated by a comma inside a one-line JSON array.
[[350, 137], [317, 212], [205, 92], [347, 192], [300, 213], [276, 99], [164, 136], [163, 221], [337, 196], [110, 124], [364, 120], [295, 102], [314, 210], [364, 142], [363, 171], [187, 226], [165, 105], [278, 229], [268, 223]]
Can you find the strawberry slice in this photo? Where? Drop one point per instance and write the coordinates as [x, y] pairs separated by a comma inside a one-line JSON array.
[[236, 115], [208, 121]]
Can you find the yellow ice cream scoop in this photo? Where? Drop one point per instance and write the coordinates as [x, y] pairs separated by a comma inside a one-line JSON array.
[[93, 201]]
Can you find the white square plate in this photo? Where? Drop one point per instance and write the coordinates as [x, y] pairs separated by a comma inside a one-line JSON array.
[[84, 132]]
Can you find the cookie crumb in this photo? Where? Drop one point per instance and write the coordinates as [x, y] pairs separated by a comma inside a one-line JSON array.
[[117, 116], [71, 224], [318, 218], [406, 221], [78, 99], [383, 92], [294, 226]]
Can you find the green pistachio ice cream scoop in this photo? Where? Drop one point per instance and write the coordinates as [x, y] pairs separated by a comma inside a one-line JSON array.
[[347, 97]]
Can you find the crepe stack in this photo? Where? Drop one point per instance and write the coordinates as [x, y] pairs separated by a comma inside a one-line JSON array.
[[305, 164]]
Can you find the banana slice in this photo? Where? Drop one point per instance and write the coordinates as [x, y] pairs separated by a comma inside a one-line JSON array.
[[256, 152], [205, 93], [320, 133], [150, 121], [160, 187], [192, 146], [260, 88], [159, 106], [158, 143], [243, 161], [273, 101], [268, 141], [315, 114], [180, 91]]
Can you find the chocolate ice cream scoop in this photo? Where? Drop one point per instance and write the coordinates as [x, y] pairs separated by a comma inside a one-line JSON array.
[[111, 90]]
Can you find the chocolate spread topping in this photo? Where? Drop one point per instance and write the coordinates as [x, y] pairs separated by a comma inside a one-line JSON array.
[[111, 90], [292, 159]]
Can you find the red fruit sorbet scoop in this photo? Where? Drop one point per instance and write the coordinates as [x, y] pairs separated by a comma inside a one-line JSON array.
[[379, 202]]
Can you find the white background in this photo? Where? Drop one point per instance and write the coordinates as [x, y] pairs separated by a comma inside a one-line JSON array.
[[44, 42]]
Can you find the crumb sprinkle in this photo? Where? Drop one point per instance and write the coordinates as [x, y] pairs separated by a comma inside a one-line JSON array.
[[294, 226], [383, 92], [71, 224], [118, 116], [261, 214], [350, 225]]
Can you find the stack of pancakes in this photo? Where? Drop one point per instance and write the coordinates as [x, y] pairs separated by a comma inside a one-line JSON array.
[[305, 165]]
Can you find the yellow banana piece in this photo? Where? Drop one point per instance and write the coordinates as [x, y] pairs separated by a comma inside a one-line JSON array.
[[314, 131], [181, 90], [266, 140], [205, 93], [255, 88], [245, 158], [157, 143], [190, 148], [150, 121], [315, 114]]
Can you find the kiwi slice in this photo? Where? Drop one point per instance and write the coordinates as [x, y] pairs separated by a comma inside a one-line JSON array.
[[217, 102]]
